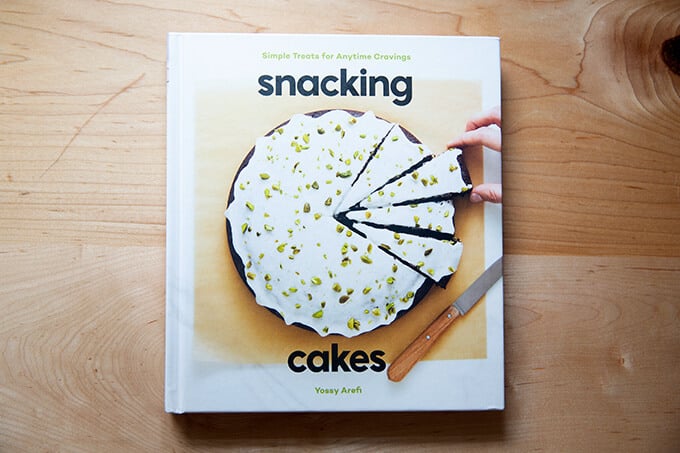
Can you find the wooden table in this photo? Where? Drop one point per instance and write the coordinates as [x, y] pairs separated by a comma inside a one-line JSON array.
[[592, 227]]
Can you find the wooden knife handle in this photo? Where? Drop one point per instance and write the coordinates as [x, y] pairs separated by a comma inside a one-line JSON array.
[[419, 347]]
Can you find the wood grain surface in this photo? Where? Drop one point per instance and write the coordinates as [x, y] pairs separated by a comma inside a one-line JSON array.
[[591, 130]]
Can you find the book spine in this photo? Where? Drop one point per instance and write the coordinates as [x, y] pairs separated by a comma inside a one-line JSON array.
[[172, 309]]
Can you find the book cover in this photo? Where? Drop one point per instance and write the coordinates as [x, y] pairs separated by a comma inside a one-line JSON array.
[[318, 223]]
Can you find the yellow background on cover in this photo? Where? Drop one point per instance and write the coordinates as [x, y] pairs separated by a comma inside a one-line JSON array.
[[229, 325]]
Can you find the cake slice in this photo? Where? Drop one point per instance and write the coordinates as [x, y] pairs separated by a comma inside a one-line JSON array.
[[437, 178], [396, 153], [436, 259], [433, 218]]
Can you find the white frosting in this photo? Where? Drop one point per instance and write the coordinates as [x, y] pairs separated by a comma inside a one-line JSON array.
[[431, 215], [437, 177]]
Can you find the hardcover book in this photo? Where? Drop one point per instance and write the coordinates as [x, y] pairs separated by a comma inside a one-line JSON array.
[[320, 227]]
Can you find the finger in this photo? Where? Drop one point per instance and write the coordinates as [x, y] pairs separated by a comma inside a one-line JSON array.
[[487, 136], [487, 192], [485, 118]]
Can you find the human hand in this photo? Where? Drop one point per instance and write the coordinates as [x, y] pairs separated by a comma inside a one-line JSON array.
[[482, 129]]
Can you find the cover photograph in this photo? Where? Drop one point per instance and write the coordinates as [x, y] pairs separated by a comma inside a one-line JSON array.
[[320, 226]]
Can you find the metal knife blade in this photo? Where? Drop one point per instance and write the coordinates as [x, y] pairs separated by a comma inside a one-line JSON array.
[[419, 347], [479, 287]]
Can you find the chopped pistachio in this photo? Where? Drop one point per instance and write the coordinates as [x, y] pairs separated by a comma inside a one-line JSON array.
[[244, 227], [366, 259], [427, 252], [305, 138], [376, 311], [390, 280], [344, 174], [281, 247], [367, 290], [317, 216], [353, 324], [328, 201], [292, 289], [315, 185], [320, 131], [348, 233], [343, 299], [431, 272], [268, 286], [306, 207], [395, 138], [395, 268], [316, 280], [336, 287], [267, 277], [250, 206], [368, 214], [251, 276], [349, 291], [318, 314], [264, 176], [268, 227], [338, 128], [339, 228]]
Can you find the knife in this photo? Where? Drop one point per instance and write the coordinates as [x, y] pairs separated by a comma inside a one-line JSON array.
[[423, 342]]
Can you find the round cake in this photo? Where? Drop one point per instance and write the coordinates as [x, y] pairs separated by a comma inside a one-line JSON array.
[[339, 221]]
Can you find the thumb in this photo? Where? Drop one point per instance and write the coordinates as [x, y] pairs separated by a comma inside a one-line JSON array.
[[487, 192]]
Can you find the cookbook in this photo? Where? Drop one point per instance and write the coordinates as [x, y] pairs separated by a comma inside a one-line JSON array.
[[319, 222]]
